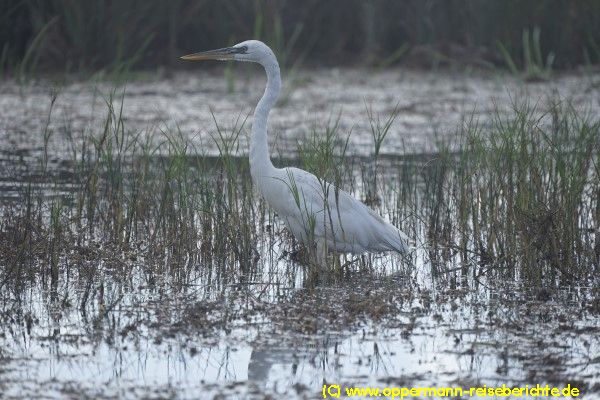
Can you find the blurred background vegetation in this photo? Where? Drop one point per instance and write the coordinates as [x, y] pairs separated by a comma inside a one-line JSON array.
[[115, 35]]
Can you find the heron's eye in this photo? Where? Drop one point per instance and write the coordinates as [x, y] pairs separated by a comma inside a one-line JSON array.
[[242, 50]]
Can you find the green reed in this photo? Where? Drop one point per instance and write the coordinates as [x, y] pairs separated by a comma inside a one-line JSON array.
[[519, 199]]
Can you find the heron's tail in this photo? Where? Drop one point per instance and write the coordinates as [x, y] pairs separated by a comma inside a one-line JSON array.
[[396, 240]]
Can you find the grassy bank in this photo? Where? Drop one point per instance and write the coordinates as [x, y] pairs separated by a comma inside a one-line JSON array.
[[113, 36]]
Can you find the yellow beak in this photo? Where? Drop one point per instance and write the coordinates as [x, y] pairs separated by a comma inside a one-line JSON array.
[[218, 54]]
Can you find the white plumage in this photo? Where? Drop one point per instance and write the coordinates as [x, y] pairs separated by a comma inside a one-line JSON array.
[[315, 211]]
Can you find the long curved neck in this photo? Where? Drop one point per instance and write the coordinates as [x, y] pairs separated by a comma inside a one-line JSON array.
[[260, 162]]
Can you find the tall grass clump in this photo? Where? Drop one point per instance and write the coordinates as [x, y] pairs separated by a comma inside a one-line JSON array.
[[379, 131], [534, 65], [323, 153], [135, 197], [520, 199]]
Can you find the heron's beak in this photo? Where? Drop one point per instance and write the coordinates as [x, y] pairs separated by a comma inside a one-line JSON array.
[[218, 54]]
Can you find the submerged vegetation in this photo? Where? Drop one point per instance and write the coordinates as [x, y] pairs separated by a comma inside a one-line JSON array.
[[518, 201]]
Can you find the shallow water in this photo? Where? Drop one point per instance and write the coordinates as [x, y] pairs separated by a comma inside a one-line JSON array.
[[194, 332], [383, 332], [432, 106]]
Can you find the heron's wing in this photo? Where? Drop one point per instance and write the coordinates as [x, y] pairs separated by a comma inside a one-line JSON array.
[[314, 195], [337, 212]]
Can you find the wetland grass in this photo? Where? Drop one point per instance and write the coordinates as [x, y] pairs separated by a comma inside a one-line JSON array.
[[61, 35], [518, 200]]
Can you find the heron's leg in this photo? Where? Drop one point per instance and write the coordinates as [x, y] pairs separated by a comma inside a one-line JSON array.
[[321, 253]]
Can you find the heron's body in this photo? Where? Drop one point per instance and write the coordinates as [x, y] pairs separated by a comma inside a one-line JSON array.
[[314, 210], [331, 217]]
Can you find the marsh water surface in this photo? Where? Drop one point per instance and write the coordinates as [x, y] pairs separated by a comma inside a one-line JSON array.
[[109, 323]]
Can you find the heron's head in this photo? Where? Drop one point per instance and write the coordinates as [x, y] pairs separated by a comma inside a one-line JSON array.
[[250, 50]]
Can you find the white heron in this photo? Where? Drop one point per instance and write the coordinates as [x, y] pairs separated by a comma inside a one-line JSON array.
[[317, 213]]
